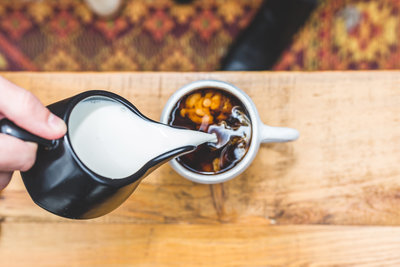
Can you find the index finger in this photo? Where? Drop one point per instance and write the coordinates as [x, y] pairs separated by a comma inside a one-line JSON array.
[[25, 110]]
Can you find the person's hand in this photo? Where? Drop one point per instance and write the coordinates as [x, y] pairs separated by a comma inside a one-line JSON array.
[[26, 111]]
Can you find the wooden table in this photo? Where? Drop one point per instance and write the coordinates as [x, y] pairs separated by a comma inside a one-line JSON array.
[[332, 198]]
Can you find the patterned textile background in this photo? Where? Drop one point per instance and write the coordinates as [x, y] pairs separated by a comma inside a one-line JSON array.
[[64, 35], [347, 34], [52, 35]]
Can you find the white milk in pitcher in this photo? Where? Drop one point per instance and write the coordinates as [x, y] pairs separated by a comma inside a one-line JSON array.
[[115, 142]]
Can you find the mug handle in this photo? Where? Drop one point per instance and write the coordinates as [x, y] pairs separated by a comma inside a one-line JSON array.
[[8, 127], [271, 134]]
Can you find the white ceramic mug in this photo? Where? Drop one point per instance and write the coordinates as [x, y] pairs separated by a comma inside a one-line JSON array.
[[261, 133]]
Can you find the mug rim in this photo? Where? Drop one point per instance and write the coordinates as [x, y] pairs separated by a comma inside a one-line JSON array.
[[255, 123]]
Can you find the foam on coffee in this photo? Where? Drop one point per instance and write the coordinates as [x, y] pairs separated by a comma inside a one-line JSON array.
[[214, 111], [115, 142]]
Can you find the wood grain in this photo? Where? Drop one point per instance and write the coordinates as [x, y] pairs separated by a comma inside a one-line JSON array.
[[342, 170], [55, 244], [285, 210]]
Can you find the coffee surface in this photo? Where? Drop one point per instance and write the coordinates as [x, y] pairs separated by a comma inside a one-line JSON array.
[[214, 111]]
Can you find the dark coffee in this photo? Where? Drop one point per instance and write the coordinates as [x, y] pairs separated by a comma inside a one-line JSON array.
[[214, 111]]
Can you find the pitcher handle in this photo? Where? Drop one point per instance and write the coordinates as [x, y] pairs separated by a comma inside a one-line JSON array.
[[271, 134], [9, 128]]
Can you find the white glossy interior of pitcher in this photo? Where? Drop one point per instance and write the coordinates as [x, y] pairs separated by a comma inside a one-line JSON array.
[[115, 142], [100, 135]]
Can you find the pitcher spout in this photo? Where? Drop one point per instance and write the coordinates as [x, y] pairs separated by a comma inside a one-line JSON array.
[[167, 156], [182, 141], [178, 141]]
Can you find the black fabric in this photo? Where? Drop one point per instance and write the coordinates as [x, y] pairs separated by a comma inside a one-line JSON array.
[[271, 31]]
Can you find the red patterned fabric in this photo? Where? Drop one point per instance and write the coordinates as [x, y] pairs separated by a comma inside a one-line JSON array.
[[148, 35], [347, 34], [160, 35]]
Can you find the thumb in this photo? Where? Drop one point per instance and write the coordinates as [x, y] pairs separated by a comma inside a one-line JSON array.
[[25, 110]]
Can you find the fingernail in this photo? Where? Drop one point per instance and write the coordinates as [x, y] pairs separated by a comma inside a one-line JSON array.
[[57, 124]]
